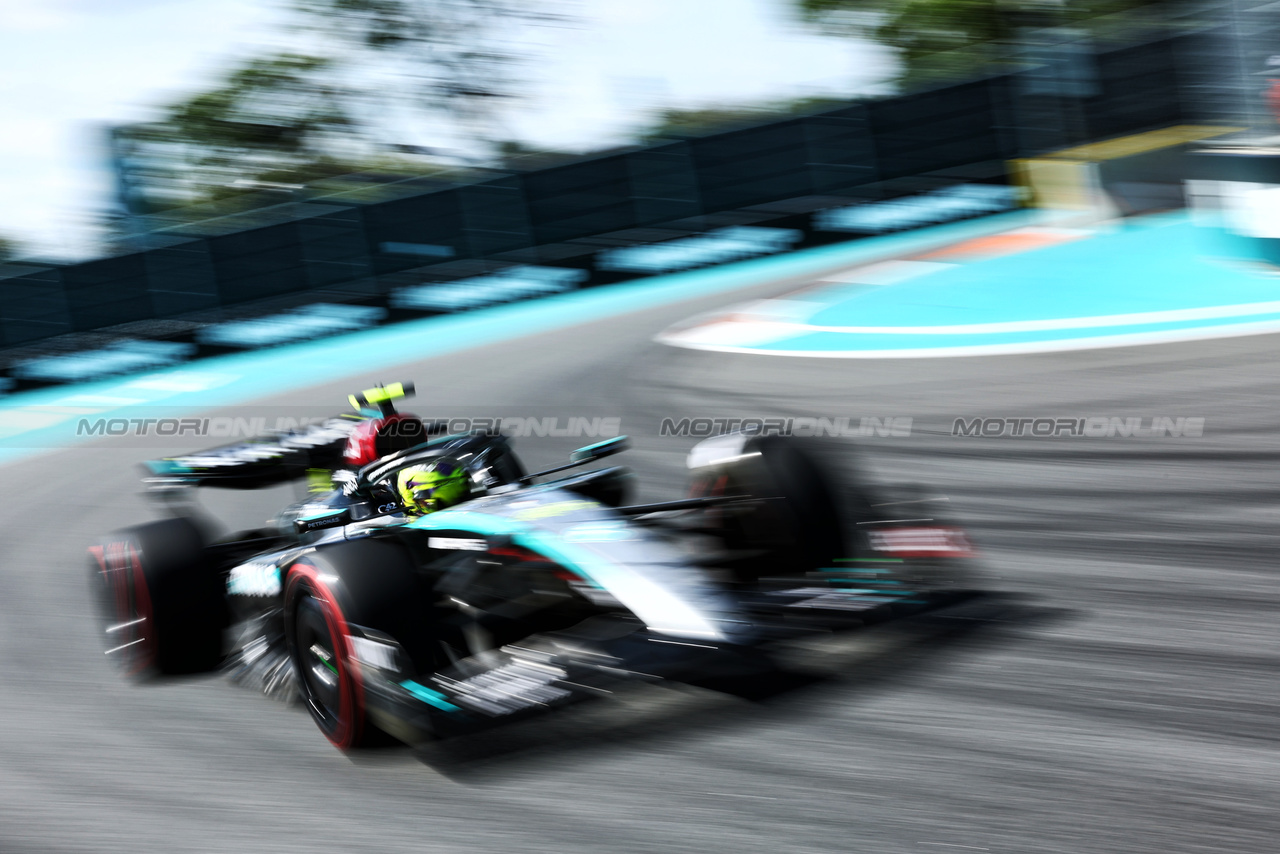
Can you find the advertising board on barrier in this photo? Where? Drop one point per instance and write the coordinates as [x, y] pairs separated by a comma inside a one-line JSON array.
[[845, 222], [938, 206]]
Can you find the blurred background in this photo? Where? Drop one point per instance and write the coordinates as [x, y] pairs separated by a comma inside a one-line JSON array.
[[171, 166], [557, 208]]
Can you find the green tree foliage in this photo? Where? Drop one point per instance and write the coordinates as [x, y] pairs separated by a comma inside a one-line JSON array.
[[9, 250], [451, 56], [275, 116], [956, 37], [355, 86]]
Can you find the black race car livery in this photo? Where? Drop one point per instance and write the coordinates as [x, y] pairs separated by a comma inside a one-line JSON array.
[[536, 591]]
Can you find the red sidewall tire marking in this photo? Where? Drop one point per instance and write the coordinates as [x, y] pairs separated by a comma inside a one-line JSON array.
[[350, 687], [122, 573]]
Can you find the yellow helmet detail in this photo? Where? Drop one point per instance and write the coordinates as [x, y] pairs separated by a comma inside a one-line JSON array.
[[432, 486]]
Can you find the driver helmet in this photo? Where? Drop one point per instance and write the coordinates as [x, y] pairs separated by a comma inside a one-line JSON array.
[[432, 486]]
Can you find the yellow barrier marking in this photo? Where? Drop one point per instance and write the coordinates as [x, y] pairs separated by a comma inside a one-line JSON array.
[[1127, 146]]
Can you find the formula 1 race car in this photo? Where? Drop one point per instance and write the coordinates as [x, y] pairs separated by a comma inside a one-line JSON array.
[[528, 593]]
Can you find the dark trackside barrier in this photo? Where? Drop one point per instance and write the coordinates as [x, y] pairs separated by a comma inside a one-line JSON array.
[[771, 187]]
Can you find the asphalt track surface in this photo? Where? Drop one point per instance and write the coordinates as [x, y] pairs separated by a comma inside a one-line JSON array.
[[1128, 704]]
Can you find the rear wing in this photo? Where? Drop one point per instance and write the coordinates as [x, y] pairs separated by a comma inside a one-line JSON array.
[[279, 457], [257, 463]]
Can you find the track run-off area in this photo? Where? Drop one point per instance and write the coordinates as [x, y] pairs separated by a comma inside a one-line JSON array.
[[1127, 703], [1030, 290]]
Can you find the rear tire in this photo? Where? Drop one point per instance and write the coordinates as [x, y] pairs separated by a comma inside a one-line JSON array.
[[160, 599]]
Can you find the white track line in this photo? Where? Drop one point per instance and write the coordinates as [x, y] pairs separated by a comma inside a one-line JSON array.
[[1175, 315], [1237, 330]]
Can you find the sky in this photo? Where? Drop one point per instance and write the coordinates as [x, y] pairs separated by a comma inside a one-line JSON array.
[[71, 68]]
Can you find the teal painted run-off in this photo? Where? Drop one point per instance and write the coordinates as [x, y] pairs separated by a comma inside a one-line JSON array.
[[1147, 282]]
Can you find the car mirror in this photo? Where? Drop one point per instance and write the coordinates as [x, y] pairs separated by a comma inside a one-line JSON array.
[[599, 450]]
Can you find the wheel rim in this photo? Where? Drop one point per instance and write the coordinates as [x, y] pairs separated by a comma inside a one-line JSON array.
[[316, 632], [318, 662]]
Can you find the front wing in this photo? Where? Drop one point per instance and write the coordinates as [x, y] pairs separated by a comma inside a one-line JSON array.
[[552, 670]]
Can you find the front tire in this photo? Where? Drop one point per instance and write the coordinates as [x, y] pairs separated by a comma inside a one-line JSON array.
[[368, 583], [320, 647]]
